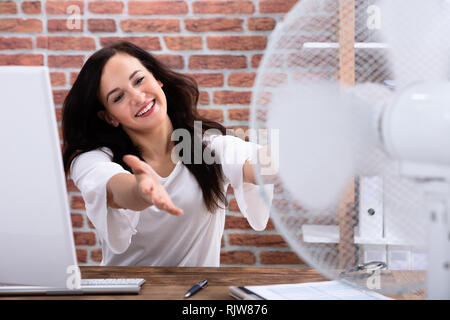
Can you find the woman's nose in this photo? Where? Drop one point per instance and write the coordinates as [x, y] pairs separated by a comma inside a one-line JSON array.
[[137, 96]]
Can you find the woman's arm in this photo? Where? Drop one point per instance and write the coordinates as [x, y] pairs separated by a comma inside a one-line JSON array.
[[122, 193], [139, 190], [248, 168], [248, 173]]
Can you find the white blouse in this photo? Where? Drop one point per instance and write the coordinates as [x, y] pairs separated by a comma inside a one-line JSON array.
[[153, 237]]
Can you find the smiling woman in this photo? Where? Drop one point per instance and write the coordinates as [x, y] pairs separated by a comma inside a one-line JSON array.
[[118, 121]]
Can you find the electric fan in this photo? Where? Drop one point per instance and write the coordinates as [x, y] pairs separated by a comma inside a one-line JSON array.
[[353, 100]]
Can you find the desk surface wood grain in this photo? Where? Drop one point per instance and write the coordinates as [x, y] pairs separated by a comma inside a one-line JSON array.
[[171, 283], [167, 283]]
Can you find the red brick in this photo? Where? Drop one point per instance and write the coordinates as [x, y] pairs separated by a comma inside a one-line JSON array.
[[214, 24], [150, 25], [276, 6], [211, 114], [241, 223], [106, 7], [233, 206], [81, 255], [59, 96], [171, 61], [263, 99], [60, 25], [147, 43], [237, 257], [238, 114], [208, 79], [261, 24], [256, 60], [8, 7], [257, 240], [274, 79], [77, 203], [183, 42], [203, 98], [236, 42], [214, 62], [279, 257], [101, 25], [232, 97], [239, 131], [157, 7], [65, 61], [60, 131], [69, 43], [281, 205], [270, 225], [71, 187], [31, 7], [57, 79], [20, 25], [73, 77], [242, 79], [233, 222], [84, 238], [22, 59], [224, 7], [12, 43], [60, 7], [313, 75], [77, 220], [41, 42], [96, 255]]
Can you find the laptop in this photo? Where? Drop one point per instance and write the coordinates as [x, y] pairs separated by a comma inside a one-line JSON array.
[[37, 249]]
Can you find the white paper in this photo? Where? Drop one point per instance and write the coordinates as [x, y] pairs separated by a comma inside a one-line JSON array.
[[325, 290]]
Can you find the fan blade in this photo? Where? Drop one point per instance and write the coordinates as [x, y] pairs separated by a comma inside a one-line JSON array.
[[416, 32], [322, 130]]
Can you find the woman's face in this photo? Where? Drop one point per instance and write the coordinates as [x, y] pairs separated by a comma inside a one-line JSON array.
[[131, 95]]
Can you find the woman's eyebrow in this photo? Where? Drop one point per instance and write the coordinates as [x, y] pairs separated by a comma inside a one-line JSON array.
[[114, 90]]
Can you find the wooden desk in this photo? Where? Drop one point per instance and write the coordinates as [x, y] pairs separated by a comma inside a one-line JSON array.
[[171, 283]]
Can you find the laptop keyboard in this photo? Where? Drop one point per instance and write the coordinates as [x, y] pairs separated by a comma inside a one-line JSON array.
[[112, 282], [88, 286]]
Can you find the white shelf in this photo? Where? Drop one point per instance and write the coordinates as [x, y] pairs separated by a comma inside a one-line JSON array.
[[330, 234]]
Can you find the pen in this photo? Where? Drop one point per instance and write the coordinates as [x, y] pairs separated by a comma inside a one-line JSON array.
[[197, 287]]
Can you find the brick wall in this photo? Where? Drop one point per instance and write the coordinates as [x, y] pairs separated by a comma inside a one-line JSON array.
[[219, 42]]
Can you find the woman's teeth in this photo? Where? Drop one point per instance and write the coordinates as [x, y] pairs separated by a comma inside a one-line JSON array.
[[147, 108]]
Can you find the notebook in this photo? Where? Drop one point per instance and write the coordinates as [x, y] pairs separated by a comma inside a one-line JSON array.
[[323, 290]]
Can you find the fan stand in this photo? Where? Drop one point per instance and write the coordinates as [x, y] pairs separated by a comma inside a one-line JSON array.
[[436, 192]]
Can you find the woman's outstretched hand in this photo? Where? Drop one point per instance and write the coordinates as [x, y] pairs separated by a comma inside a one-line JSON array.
[[148, 186]]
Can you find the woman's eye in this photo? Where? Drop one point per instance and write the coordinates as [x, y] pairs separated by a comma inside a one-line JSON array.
[[118, 98], [139, 80]]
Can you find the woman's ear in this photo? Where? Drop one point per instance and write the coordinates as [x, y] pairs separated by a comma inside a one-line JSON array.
[[160, 83], [105, 116]]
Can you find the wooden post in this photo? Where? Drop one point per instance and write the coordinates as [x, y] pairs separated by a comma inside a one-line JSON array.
[[347, 250]]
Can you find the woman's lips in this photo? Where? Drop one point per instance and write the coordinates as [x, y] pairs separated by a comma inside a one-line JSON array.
[[146, 110]]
